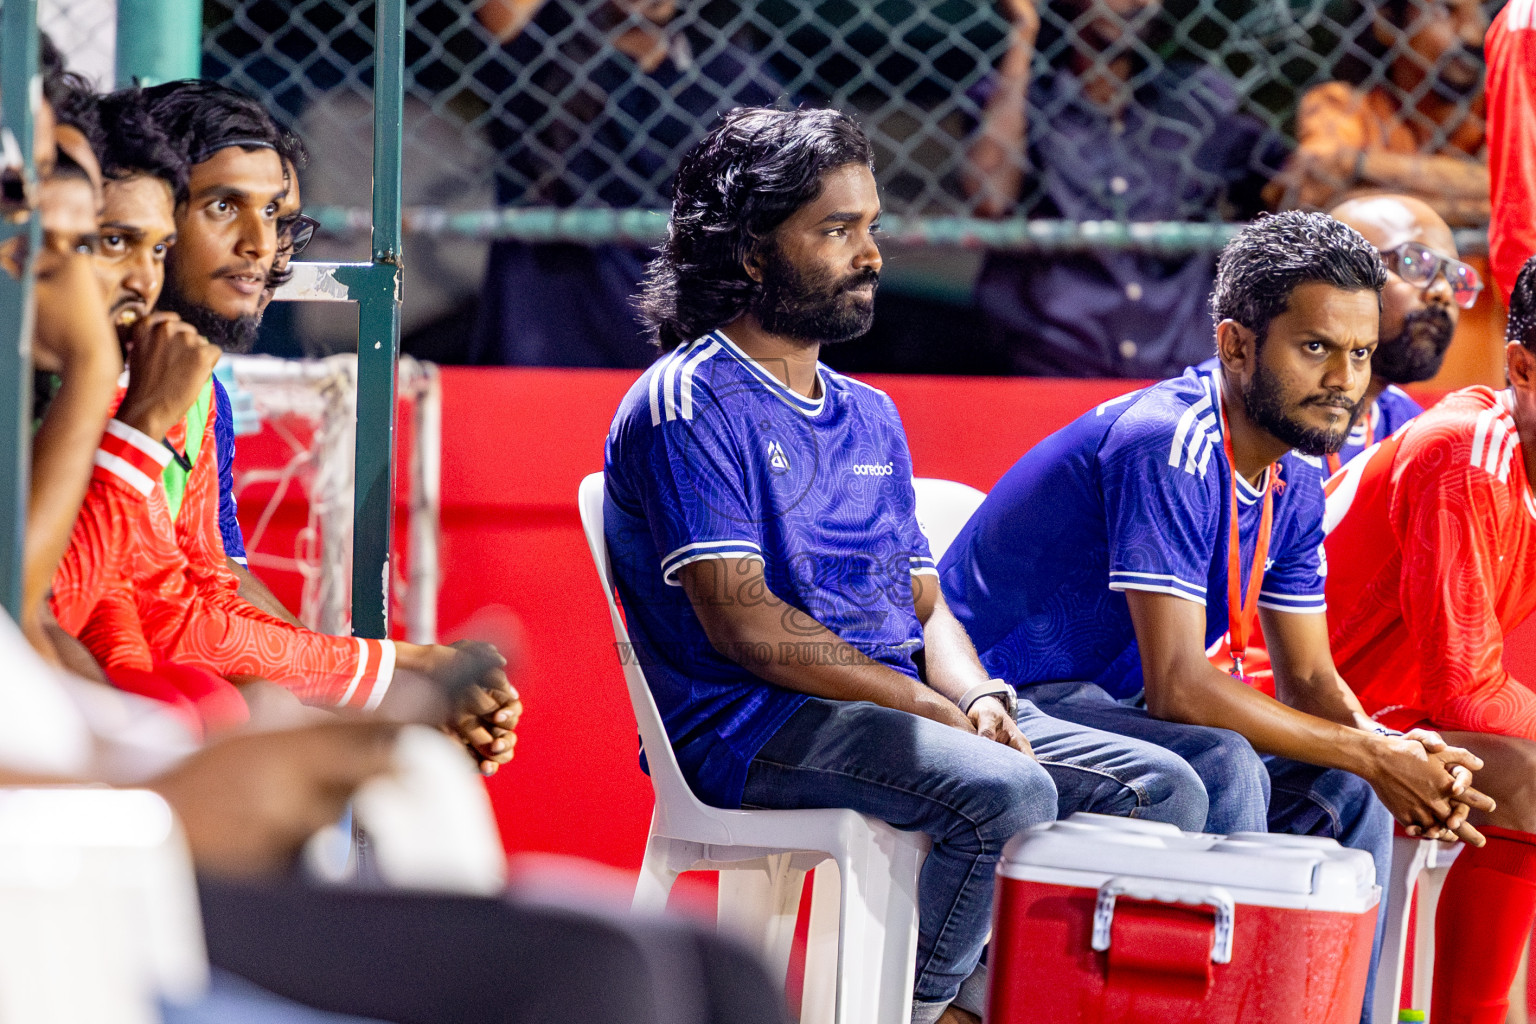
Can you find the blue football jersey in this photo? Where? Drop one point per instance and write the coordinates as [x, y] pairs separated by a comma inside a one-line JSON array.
[[710, 457], [1391, 410], [1133, 495]]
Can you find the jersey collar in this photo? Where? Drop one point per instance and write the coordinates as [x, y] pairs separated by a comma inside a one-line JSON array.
[[792, 398], [1247, 493], [1506, 398]]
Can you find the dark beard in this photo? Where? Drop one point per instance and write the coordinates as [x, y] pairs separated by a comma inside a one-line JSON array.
[[1419, 348], [1264, 402], [812, 308], [236, 336]]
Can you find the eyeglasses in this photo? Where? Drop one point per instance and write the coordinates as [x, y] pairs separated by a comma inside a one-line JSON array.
[[1419, 264], [294, 232]]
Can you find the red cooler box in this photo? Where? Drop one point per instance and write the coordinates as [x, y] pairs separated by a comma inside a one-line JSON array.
[[1103, 919]]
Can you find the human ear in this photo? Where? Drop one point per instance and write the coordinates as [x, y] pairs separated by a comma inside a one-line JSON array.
[[1520, 367], [752, 263], [1235, 345]]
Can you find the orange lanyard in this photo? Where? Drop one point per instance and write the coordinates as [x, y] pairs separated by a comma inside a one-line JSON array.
[[1241, 614], [1370, 439]]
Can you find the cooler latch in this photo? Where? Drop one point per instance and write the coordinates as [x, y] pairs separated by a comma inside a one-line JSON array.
[[1159, 890]]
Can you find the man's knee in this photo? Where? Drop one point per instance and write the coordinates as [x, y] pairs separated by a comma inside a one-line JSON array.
[[1171, 791], [1000, 796], [1235, 779]]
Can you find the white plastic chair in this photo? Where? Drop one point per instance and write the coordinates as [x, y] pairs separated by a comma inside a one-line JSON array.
[[943, 506], [862, 951], [1417, 864]]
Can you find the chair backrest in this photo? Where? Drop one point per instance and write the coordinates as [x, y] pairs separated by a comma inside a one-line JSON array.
[[675, 803], [943, 506]]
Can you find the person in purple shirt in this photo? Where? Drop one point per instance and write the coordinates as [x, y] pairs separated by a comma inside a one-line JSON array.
[[1099, 136]]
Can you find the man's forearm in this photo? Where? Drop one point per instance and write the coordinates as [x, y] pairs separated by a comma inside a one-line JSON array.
[[1204, 695], [949, 657], [995, 168], [812, 659], [749, 624], [1328, 699]]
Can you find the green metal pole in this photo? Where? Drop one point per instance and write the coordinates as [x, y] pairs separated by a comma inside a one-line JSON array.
[[159, 40], [378, 341], [18, 92]]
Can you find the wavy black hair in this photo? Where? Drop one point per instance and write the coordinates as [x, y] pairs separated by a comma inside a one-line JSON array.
[[200, 118], [1258, 269], [135, 142], [755, 168], [1522, 307]]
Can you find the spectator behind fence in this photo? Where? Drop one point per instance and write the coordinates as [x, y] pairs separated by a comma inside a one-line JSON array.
[[591, 138], [1109, 139], [1511, 49], [1414, 127]]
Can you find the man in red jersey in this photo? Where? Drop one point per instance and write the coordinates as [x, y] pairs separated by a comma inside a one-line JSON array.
[[1511, 50], [1432, 552]]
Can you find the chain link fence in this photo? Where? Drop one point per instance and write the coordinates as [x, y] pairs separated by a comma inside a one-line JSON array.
[[582, 104], [587, 104]]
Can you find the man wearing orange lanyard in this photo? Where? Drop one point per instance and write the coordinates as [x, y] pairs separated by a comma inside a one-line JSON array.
[[1109, 559], [1427, 288]]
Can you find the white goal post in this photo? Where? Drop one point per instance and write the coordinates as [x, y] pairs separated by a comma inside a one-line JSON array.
[[322, 394]]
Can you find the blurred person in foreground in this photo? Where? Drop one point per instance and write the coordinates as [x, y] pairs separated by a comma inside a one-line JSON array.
[[1419, 132], [1511, 52], [760, 514], [644, 86], [1432, 548], [1121, 139]]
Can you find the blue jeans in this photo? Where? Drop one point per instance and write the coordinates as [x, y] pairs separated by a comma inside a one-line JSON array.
[[970, 796], [1248, 792]]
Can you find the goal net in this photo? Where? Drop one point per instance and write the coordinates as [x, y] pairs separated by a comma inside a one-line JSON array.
[[296, 424]]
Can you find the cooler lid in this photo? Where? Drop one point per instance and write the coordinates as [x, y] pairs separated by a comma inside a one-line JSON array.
[[1257, 868]]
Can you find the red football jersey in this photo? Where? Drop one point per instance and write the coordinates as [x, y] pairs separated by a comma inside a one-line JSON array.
[[141, 589], [1511, 91], [1431, 560]]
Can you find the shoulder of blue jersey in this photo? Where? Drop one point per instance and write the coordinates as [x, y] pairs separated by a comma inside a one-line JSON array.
[[674, 383], [1176, 420]]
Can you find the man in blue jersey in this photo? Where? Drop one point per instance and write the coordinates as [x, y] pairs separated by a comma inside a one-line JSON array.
[[760, 517], [1427, 288], [1115, 554]]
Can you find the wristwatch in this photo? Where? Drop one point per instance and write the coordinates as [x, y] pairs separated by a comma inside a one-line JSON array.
[[998, 688]]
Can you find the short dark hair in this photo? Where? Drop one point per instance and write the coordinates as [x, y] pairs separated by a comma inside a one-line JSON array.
[[200, 118], [1260, 268], [754, 169], [69, 94], [1522, 307], [135, 142]]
